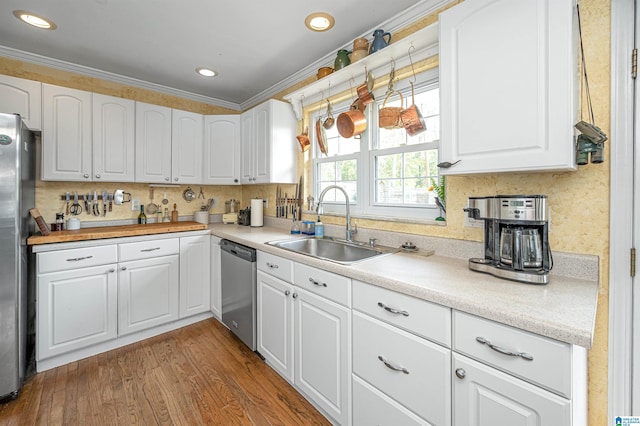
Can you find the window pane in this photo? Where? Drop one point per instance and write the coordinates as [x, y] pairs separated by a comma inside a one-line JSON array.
[[415, 164], [342, 173], [416, 191], [428, 103], [389, 166], [328, 172], [389, 191], [337, 145]]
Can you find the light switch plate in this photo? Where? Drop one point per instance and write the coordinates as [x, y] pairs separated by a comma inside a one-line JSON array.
[[135, 204]]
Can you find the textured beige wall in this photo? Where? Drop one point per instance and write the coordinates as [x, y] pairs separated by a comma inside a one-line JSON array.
[[579, 201]]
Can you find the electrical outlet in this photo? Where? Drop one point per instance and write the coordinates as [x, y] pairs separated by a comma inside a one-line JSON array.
[[470, 222], [265, 201], [135, 204]]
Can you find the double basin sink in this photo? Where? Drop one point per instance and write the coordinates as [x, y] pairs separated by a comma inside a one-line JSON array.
[[339, 251]]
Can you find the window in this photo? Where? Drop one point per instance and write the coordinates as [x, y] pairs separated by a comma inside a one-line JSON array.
[[386, 173]]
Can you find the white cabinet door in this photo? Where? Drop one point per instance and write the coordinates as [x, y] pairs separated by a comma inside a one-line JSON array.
[[508, 79], [262, 117], [216, 279], [113, 139], [148, 292], [24, 97], [66, 134], [221, 150], [195, 275], [247, 150], [484, 396], [275, 323], [269, 153], [153, 143], [186, 147], [322, 353], [76, 308]]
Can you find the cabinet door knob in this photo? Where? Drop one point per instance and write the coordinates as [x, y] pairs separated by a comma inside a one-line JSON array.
[[97, 176], [295, 295], [176, 179], [235, 181], [124, 268], [86, 175], [166, 178], [111, 270], [461, 373], [287, 292]]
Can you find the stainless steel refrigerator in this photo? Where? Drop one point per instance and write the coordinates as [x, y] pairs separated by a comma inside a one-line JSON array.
[[17, 196]]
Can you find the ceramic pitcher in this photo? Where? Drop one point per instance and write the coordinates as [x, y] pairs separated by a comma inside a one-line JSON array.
[[342, 59], [379, 41]]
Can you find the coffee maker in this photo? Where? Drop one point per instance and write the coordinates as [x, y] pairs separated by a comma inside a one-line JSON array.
[[516, 237]]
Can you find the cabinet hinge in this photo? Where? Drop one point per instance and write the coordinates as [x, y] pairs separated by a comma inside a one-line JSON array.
[[632, 260], [634, 63]]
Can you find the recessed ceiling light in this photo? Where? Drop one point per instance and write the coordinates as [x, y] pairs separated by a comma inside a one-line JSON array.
[[35, 20], [206, 72], [319, 21]]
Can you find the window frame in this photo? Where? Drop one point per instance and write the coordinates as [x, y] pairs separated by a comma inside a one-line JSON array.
[[365, 205]]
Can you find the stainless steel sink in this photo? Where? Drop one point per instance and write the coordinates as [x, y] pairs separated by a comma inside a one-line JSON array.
[[338, 251]]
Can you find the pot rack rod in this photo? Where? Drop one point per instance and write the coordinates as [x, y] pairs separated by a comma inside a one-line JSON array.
[[424, 41]]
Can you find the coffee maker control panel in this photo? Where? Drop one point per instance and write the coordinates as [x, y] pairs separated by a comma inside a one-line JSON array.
[[523, 208]]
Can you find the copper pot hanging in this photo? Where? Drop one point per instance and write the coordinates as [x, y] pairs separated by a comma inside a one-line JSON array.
[[353, 122], [412, 120]]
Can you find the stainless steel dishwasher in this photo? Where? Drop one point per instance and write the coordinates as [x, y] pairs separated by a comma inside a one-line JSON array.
[[238, 276]]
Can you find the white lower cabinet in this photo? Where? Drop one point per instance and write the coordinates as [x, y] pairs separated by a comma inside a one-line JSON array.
[[195, 275], [148, 292], [76, 308], [304, 336], [275, 323], [409, 369], [93, 299], [322, 352], [485, 396]]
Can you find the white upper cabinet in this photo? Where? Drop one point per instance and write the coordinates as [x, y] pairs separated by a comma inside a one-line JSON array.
[[153, 143], [221, 150], [66, 134], [269, 153], [113, 139], [186, 147], [24, 97], [508, 86]]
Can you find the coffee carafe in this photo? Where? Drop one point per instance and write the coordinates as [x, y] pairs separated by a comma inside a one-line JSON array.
[[516, 243]]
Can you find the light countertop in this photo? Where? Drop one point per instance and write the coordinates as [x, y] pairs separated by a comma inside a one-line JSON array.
[[564, 309]]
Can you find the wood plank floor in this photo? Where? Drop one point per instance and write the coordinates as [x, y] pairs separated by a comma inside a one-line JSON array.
[[198, 375]]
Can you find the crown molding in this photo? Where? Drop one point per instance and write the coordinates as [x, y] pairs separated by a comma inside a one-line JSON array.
[[108, 76], [397, 22]]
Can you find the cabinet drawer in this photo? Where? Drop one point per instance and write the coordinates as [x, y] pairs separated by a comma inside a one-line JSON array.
[[148, 249], [326, 284], [535, 358], [423, 318], [409, 369], [62, 260], [274, 265], [372, 407]]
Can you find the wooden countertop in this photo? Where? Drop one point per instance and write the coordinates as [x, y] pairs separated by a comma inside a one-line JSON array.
[[100, 232]]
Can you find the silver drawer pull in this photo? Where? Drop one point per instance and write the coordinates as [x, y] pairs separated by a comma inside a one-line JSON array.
[[319, 284], [77, 259], [272, 265], [111, 270], [151, 249], [504, 351], [391, 366], [393, 310]]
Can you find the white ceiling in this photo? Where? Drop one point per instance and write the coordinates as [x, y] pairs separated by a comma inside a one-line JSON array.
[[253, 44]]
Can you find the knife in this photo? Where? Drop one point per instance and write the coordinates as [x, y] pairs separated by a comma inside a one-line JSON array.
[[104, 203], [68, 195], [87, 204], [286, 205]]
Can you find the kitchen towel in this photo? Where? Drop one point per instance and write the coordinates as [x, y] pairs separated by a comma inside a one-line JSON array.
[[256, 212]]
